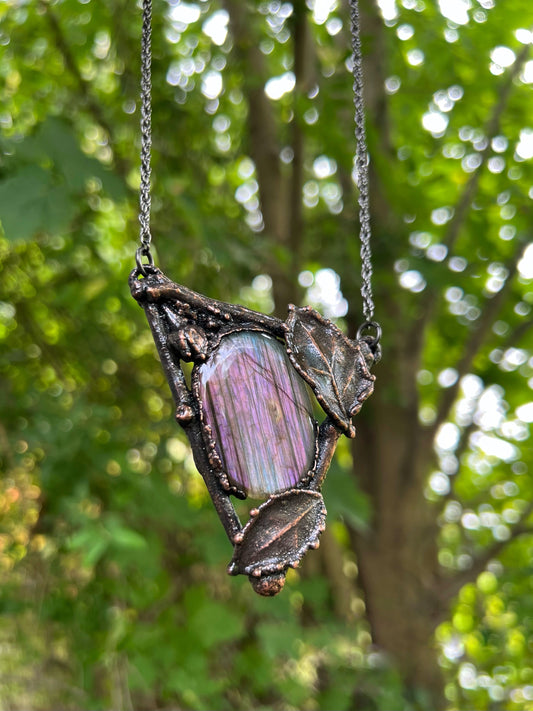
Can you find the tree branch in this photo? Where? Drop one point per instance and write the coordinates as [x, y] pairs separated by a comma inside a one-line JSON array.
[[461, 449], [492, 129], [264, 146], [341, 588], [84, 87], [478, 336], [6, 448], [301, 41], [449, 588], [464, 202], [518, 333]]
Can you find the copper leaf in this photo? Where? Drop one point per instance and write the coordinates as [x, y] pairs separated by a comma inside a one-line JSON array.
[[280, 533], [333, 365]]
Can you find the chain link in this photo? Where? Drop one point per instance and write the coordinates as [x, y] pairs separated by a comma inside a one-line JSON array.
[[361, 161], [361, 167], [146, 138]]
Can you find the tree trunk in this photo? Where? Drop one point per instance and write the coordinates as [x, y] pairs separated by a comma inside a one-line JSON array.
[[401, 614], [397, 558]]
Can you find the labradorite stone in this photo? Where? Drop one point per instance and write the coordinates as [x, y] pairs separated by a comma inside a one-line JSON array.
[[260, 413]]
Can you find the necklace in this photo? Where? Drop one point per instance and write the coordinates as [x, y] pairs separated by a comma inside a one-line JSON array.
[[247, 412]]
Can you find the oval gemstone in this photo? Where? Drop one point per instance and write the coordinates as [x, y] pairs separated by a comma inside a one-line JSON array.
[[259, 411]]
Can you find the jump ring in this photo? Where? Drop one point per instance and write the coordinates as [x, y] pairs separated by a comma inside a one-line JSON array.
[[371, 340], [141, 252]]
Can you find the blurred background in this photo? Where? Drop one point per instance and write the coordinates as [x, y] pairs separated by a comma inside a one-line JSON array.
[[113, 590]]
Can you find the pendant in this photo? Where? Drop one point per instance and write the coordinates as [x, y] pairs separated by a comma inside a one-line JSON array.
[[248, 413]]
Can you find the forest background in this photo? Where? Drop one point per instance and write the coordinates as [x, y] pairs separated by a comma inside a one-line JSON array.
[[113, 590]]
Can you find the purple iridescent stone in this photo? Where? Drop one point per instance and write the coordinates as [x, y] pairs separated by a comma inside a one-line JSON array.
[[260, 413]]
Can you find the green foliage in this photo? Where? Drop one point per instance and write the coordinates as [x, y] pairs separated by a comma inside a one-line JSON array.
[[113, 591], [43, 192]]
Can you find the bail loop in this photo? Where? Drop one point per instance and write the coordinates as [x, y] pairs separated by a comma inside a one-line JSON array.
[[143, 251], [373, 337]]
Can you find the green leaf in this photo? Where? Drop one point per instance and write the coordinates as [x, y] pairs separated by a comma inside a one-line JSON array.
[[55, 141], [31, 201], [345, 499], [210, 622], [277, 639], [123, 537], [93, 540], [44, 195]]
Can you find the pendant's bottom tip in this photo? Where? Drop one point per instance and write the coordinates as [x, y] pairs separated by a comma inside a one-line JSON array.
[[268, 585]]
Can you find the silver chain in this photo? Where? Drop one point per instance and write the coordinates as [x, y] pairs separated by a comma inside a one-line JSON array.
[[361, 166], [361, 162], [146, 139]]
